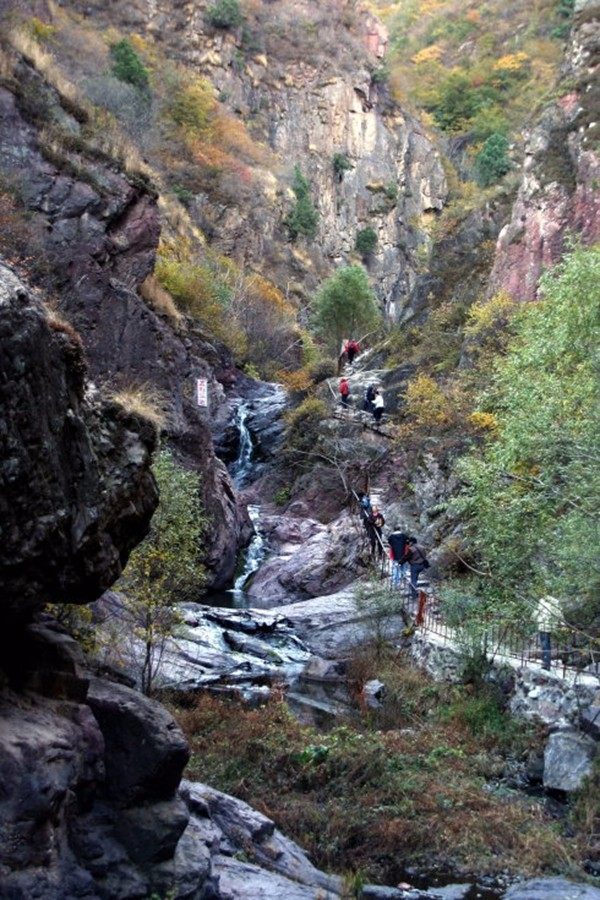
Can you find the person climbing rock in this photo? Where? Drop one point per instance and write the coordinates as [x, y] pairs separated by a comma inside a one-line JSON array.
[[369, 397], [351, 348], [344, 390], [378, 406], [548, 615], [418, 562], [375, 531], [397, 540], [366, 507]]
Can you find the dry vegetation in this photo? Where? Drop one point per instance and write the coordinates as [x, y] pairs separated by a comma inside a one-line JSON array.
[[143, 400], [415, 783]]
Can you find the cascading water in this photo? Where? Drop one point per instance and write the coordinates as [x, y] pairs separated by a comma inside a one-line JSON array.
[[240, 472]]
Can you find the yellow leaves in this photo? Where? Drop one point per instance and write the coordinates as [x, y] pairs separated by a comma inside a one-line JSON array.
[[295, 382], [484, 421], [487, 314], [426, 403], [193, 106], [263, 290], [511, 62], [429, 54]]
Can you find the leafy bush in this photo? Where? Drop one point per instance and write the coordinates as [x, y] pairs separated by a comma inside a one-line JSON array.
[[165, 568], [426, 403], [127, 66], [282, 496], [322, 370], [341, 164], [303, 424], [530, 495], [366, 240], [304, 218], [192, 106], [345, 305], [224, 14], [492, 161]]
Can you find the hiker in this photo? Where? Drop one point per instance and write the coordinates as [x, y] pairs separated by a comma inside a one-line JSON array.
[[351, 348], [369, 397], [344, 392], [378, 406], [365, 505], [547, 616], [375, 530], [418, 563], [397, 540]]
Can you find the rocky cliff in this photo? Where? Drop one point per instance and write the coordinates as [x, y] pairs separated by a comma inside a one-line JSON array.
[[309, 83], [92, 233], [559, 195]]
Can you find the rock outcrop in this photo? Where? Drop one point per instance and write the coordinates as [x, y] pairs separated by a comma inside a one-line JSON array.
[[559, 194], [76, 492], [95, 231]]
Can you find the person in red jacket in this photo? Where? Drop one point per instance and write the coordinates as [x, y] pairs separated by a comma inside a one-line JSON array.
[[344, 392], [352, 348]]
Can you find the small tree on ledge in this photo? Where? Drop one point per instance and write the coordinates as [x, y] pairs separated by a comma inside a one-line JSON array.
[[304, 218]]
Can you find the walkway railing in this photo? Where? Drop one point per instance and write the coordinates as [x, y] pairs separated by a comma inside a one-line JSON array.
[[570, 651]]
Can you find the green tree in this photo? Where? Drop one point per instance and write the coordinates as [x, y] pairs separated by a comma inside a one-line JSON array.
[[366, 240], [533, 494], [492, 161], [344, 306], [127, 66], [165, 567], [224, 14], [304, 218]]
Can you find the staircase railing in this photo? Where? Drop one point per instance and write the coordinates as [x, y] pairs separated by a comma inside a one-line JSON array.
[[570, 650]]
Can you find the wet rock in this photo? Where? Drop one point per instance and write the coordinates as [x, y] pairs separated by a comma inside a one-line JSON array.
[[552, 889], [150, 833], [568, 758]]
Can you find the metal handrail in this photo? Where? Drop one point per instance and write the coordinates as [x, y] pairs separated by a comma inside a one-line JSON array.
[[505, 639]]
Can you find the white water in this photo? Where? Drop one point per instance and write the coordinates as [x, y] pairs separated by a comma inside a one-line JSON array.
[[241, 471]]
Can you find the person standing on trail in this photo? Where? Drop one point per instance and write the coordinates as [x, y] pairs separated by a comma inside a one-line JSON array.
[[547, 616], [418, 562], [344, 389], [378, 406], [375, 531], [369, 397], [397, 540], [351, 348]]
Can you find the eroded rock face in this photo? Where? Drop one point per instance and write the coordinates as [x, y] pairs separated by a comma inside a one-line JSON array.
[[97, 232], [559, 191], [76, 491], [568, 758]]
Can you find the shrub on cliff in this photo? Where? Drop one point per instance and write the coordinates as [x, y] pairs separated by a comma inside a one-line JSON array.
[[304, 218], [366, 241], [345, 306], [303, 425], [492, 161], [165, 568], [224, 14], [127, 66]]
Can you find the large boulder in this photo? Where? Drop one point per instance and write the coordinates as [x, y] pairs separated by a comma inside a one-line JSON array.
[[568, 758], [76, 490]]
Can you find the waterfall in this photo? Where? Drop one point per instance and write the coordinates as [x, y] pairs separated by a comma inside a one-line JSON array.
[[241, 471]]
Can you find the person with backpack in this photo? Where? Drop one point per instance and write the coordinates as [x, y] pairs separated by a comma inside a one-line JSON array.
[[378, 406], [369, 397], [417, 561], [548, 615], [397, 540], [365, 506], [351, 348], [344, 390]]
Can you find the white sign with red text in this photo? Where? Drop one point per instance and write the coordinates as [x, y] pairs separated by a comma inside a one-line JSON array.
[[202, 391]]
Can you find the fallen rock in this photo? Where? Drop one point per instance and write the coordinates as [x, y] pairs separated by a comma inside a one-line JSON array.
[[373, 693], [568, 759]]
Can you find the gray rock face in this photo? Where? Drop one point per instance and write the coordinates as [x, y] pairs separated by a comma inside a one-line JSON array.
[[546, 697], [552, 889], [76, 491], [568, 758]]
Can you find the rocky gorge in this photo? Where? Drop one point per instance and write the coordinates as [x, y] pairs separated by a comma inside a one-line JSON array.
[[95, 799]]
